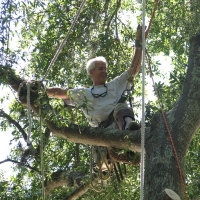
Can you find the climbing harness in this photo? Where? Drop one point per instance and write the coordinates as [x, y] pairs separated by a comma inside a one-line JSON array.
[[129, 158], [107, 162]]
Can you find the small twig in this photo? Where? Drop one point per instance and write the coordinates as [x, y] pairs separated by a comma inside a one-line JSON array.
[[15, 123], [20, 163]]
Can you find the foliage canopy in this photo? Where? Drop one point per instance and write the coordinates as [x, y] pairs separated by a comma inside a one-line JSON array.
[[31, 32]]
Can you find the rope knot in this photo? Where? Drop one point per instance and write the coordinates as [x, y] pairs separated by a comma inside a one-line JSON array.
[[29, 88]]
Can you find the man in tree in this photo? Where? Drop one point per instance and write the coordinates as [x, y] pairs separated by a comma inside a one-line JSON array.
[[104, 104], [98, 101]]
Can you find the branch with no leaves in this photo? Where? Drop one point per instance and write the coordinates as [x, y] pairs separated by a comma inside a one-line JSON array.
[[114, 13], [20, 163], [15, 123]]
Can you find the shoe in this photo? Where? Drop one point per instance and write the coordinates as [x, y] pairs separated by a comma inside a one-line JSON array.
[[133, 126]]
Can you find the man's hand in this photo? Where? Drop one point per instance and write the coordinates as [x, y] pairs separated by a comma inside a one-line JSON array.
[[138, 38], [139, 33]]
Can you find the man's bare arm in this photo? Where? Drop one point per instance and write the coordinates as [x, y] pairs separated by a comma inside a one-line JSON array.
[[136, 62], [137, 58], [56, 92]]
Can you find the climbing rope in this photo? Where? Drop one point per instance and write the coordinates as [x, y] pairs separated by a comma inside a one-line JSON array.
[[152, 17], [143, 105], [29, 112], [41, 153], [63, 42], [144, 36], [164, 118], [34, 86], [28, 97]]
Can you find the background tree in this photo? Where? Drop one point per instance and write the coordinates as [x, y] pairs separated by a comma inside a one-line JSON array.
[[103, 28]]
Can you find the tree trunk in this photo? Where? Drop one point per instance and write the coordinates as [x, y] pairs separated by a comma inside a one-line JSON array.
[[161, 170], [161, 165]]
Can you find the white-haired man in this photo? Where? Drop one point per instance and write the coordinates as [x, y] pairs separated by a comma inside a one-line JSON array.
[[104, 102], [104, 97]]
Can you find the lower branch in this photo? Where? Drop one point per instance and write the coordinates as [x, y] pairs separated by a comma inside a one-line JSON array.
[[61, 178]]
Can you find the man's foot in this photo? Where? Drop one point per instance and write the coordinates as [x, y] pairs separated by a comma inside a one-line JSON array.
[[134, 126]]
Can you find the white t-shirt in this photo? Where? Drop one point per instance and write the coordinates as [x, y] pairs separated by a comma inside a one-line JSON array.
[[98, 109]]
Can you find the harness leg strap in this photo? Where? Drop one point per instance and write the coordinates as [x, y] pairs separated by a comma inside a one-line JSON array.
[[123, 117]]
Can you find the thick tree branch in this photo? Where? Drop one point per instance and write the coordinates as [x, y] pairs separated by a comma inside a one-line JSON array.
[[97, 136], [93, 136], [88, 135]]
